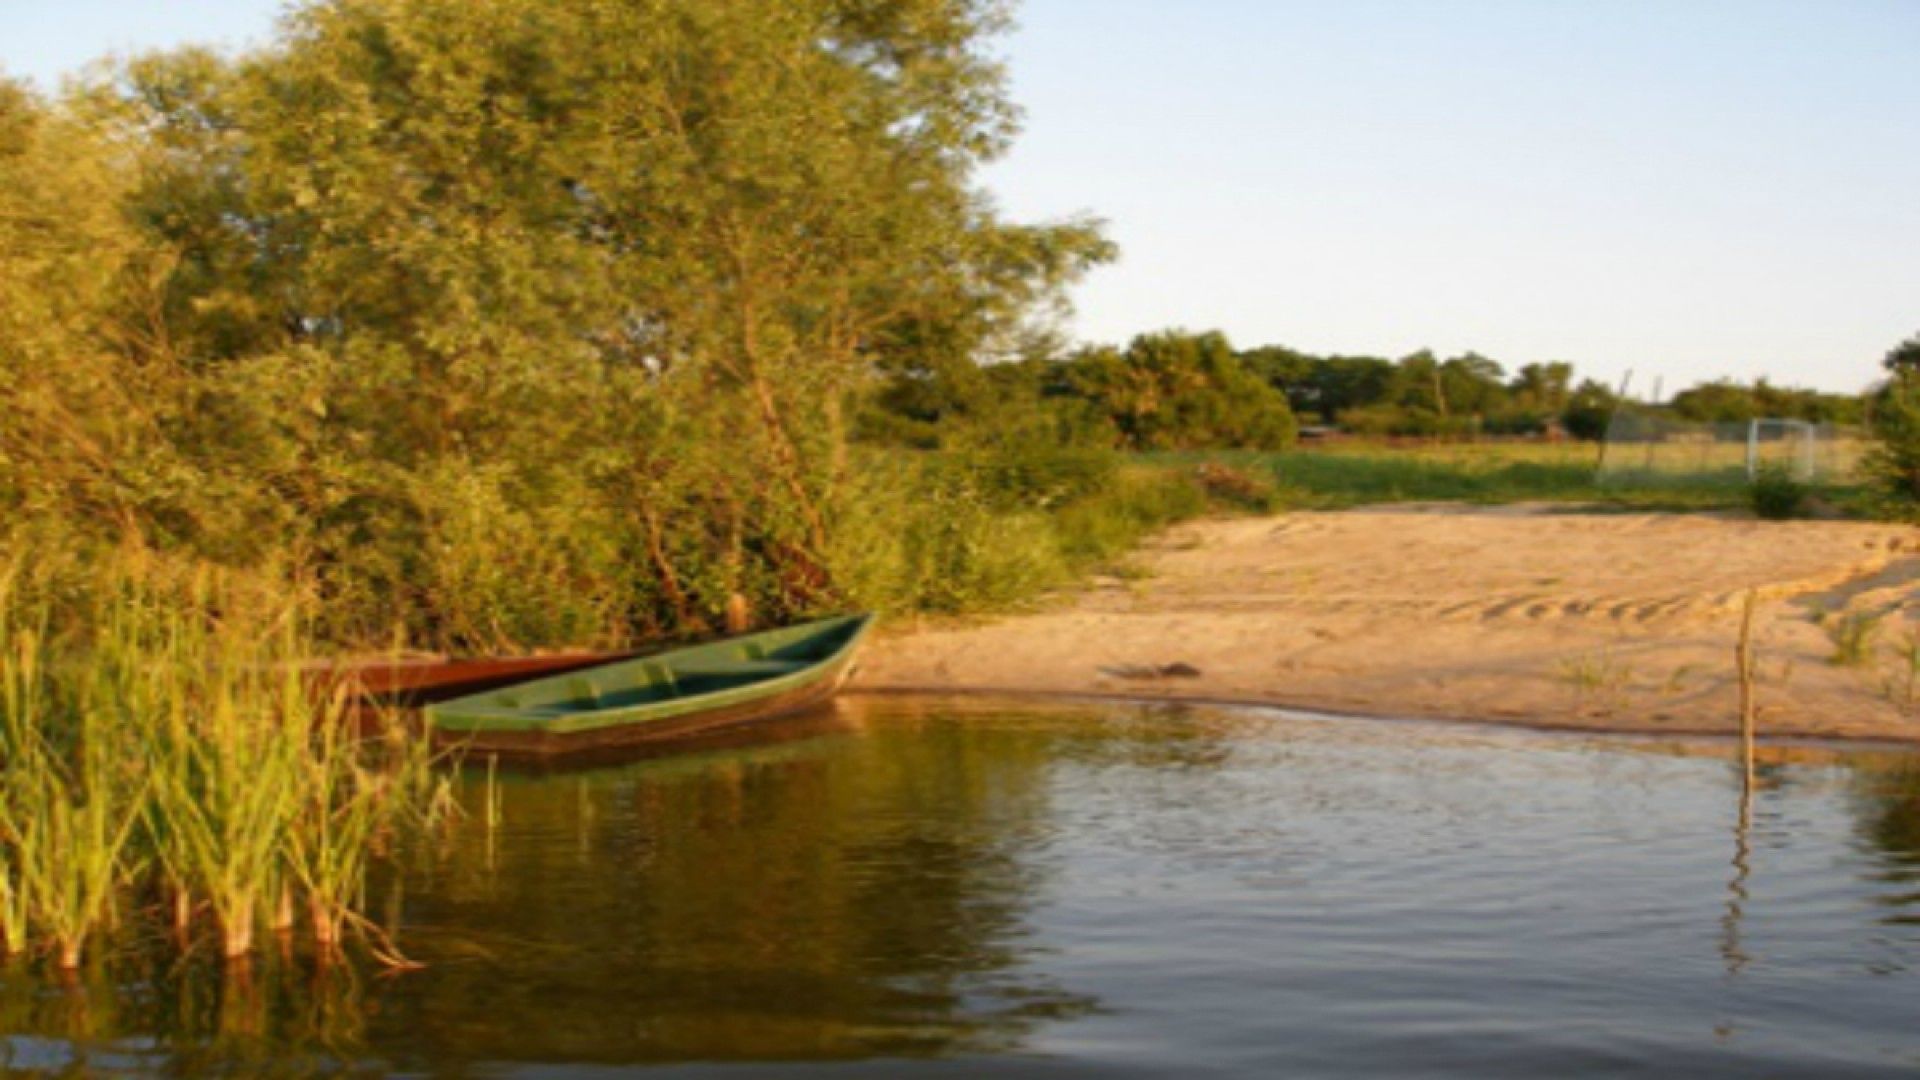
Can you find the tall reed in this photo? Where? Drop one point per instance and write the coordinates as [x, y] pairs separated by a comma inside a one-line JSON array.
[[167, 755]]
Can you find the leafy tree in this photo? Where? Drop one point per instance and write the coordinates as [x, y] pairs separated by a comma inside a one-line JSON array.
[[1324, 386], [1178, 391], [510, 320], [1728, 402], [84, 383], [1590, 410], [1473, 385], [1716, 402], [1893, 464], [1903, 360], [1544, 387]]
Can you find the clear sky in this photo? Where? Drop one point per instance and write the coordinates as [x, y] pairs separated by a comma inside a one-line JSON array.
[[1686, 188]]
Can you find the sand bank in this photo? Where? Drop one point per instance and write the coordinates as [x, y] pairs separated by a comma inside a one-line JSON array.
[[1520, 614]]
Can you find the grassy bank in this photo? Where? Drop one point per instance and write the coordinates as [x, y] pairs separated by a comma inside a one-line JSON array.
[[949, 532]]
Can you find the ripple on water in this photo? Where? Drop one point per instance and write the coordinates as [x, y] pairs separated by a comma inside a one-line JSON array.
[[1111, 890]]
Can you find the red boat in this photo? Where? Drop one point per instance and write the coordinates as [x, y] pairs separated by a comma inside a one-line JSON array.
[[412, 682]]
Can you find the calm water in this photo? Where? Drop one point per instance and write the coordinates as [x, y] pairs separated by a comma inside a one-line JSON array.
[[947, 888]]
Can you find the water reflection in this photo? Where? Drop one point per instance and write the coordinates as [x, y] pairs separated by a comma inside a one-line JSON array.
[[824, 897], [1731, 950], [1094, 890], [1889, 796], [143, 1011]]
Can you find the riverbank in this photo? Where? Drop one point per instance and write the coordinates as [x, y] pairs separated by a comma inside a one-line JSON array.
[[1519, 614]]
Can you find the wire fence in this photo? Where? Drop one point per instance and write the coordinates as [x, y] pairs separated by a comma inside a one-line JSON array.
[[1644, 448]]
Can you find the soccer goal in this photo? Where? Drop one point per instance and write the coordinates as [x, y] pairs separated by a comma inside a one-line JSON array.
[[1651, 446], [1790, 444]]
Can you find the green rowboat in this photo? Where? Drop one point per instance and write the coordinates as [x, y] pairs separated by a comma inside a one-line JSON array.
[[668, 695]]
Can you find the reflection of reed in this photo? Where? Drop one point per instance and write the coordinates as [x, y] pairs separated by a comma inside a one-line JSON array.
[[150, 1011], [1731, 950]]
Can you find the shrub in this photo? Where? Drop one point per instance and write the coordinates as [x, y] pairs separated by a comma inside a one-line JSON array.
[[1892, 466], [1777, 496], [1139, 502], [1037, 475], [1852, 635], [927, 539], [1237, 488]]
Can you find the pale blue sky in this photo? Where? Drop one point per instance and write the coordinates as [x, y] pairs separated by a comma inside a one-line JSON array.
[[1683, 187]]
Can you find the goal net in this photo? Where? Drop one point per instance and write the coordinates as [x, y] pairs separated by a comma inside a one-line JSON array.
[[1792, 445]]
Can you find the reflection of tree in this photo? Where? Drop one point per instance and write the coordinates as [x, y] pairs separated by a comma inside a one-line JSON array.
[[1890, 819], [835, 898]]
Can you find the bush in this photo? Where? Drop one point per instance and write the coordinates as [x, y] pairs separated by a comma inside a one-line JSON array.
[[1892, 466], [1180, 391], [920, 535], [1777, 496], [921, 532], [1408, 421], [1139, 502], [1237, 488], [1037, 475]]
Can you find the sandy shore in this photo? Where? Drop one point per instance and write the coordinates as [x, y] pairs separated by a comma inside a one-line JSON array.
[[1521, 615]]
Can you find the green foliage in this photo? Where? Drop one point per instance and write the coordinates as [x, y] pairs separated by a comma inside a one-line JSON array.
[[1339, 478], [1892, 466], [1179, 391], [1903, 360], [958, 554], [1725, 401], [1423, 396], [1037, 476], [529, 322], [1599, 679], [1322, 387], [162, 742], [1777, 496], [1590, 411], [929, 535], [1165, 391], [1142, 501]]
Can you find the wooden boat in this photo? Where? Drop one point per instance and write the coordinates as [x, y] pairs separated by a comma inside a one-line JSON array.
[[669, 695], [413, 681], [376, 686]]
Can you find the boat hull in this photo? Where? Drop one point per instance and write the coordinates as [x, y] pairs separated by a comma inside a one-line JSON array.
[[544, 743], [677, 695]]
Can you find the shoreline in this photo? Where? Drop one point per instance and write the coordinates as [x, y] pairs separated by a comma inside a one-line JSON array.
[[1522, 616], [1013, 695]]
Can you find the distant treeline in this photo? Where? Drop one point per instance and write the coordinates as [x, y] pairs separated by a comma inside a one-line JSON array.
[[1182, 391]]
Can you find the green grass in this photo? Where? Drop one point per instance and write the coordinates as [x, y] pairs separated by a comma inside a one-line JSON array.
[[1852, 635], [1486, 474]]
